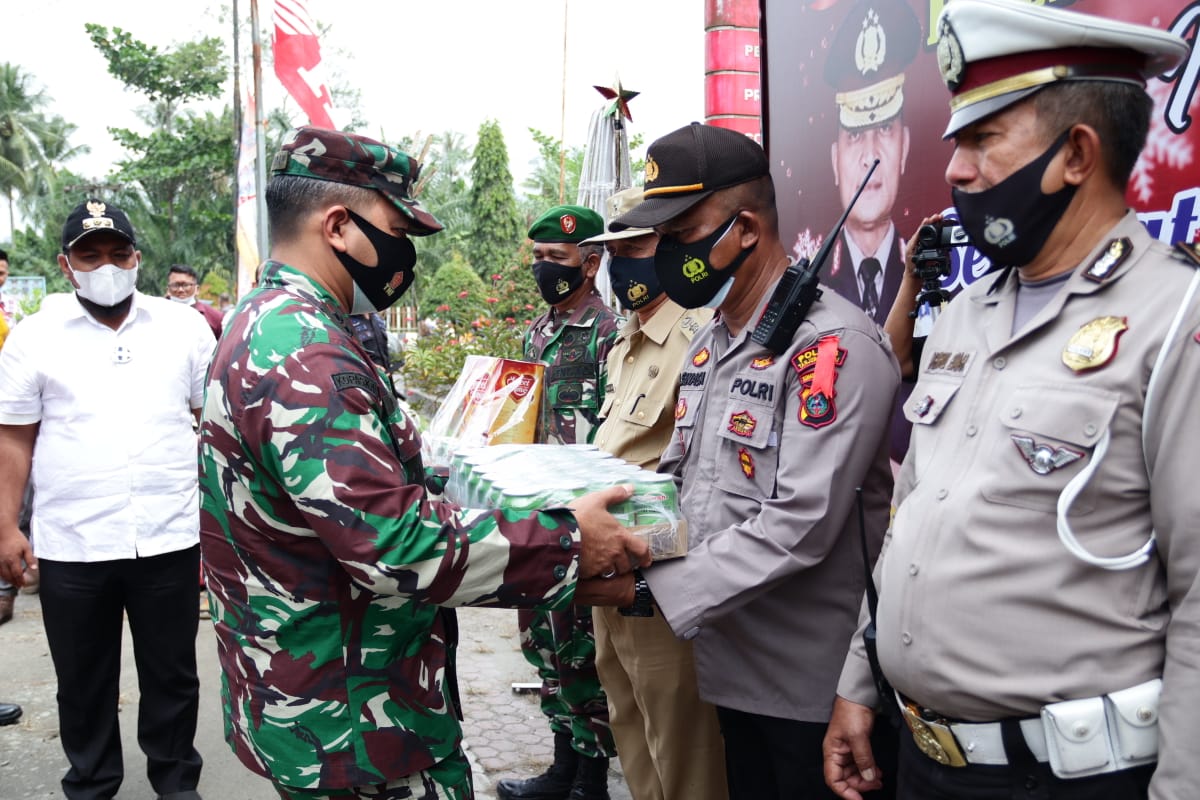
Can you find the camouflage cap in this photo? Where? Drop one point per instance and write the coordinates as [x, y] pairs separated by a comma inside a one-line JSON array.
[[570, 224], [355, 160]]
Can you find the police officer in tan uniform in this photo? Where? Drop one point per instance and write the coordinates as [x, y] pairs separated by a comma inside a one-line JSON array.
[[1039, 589], [770, 448], [667, 736]]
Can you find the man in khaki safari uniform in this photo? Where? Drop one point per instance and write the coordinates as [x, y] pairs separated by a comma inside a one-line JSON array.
[[667, 736]]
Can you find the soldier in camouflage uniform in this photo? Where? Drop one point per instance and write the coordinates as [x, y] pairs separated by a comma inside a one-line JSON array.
[[572, 338], [330, 569]]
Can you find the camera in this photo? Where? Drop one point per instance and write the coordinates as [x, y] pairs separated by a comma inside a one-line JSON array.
[[931, 260]]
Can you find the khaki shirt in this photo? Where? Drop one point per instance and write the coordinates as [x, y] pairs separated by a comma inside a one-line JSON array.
[[643, 383], [983, 613], [770, 588]]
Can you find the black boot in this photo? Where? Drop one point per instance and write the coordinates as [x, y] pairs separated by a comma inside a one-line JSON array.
[[591, 781], [553, 784]]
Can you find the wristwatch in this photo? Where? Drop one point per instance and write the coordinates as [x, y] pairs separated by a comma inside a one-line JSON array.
[[643, 601]]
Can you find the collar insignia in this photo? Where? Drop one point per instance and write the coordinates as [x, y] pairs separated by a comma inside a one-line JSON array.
[[1107, 262]]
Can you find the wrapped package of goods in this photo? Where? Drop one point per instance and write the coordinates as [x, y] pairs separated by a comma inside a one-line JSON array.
[[494, 401], [527, 477]]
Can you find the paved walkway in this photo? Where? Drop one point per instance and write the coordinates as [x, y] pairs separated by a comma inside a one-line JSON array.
[[506, 734]]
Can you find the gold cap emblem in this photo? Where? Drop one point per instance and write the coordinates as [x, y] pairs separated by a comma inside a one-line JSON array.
[[651, 169]]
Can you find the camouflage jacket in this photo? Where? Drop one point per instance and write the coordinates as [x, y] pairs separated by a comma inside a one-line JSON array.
[[575, 349], [326, 562]]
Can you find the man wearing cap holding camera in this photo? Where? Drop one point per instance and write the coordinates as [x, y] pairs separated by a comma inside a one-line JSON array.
[[770, 448], [667, 736], [103, 387], [332, 572], [573, 338], [1039, 598]]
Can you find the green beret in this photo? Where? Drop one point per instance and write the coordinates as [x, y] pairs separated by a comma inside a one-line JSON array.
[[570, 224], [355, 160]]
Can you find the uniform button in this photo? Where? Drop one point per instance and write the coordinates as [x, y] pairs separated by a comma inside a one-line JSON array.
[[641, 415], [904, 637], [1080, 729], [1000, 362], [1015, 413], [1089, 429], [941, 495], [691, 633], [913, 569], [972, 430], [560, 572], [629, 360], [565, 542]]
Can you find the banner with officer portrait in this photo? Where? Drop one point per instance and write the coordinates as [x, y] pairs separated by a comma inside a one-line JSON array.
[[848, 81]]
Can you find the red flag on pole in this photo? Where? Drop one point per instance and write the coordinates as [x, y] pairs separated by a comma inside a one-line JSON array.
[[298, 61]]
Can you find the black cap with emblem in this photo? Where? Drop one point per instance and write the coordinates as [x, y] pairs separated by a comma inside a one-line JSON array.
[[93, 216]]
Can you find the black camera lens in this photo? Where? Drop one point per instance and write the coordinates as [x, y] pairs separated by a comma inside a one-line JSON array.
[[928, 236]]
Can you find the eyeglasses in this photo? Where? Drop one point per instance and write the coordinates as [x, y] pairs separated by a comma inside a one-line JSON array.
[[175, 287]]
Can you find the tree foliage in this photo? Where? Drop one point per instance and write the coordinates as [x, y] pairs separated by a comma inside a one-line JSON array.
[[177, 183], [496, 229]]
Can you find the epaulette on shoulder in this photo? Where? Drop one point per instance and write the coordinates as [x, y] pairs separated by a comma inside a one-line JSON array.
[[1188, 252], [689, 325]]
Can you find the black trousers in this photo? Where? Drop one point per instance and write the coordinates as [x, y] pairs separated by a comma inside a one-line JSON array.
[[922, 778], [770, 757], [82, 606]]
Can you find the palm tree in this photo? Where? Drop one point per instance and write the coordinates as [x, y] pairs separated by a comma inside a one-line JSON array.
[[23, 131], [44, 187]]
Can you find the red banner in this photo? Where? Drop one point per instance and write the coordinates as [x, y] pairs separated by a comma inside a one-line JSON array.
[[298, 61]]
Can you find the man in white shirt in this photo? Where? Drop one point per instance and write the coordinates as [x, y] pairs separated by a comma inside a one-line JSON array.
[[97, 396]]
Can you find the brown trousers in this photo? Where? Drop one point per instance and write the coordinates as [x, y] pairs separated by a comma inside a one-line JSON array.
[[668, 739]]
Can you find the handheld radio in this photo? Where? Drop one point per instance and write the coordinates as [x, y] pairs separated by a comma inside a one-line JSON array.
[[797, 290]]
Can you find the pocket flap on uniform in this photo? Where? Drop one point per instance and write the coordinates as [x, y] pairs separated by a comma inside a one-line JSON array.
[[645, 412], [1079, 415], [929, 399], [748, 423]]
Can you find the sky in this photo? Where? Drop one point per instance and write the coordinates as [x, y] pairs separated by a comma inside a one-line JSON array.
[[420, 67]]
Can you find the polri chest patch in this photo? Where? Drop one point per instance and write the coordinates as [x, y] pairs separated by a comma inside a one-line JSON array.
[[954, 364]]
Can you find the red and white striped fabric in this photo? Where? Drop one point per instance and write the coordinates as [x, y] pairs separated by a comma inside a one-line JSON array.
[[298, 61]]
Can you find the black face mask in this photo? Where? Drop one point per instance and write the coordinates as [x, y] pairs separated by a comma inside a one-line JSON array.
[[633, 281], [556, 282], [684, 270], [377, 287], [1010, 222]]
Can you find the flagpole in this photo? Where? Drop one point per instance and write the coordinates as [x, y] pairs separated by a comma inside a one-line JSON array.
[[260, 145]]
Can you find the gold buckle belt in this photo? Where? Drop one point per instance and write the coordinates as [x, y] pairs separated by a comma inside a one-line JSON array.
[[933, 736]]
